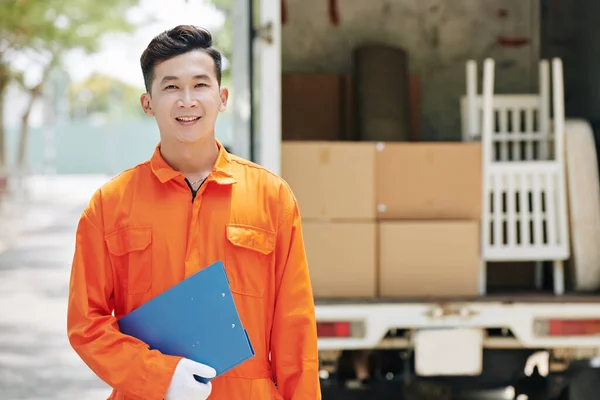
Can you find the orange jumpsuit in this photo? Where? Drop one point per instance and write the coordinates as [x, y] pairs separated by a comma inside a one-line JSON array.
[[141, 233]]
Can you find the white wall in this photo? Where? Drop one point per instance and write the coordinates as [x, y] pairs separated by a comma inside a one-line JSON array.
[[439, 35]]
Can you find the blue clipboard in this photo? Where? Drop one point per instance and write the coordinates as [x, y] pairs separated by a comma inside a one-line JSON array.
[[195, 319]]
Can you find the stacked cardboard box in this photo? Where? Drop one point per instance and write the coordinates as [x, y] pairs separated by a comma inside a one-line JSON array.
[[333, 183], [394, 219], [388, 219], [331, 176], [429, 208]]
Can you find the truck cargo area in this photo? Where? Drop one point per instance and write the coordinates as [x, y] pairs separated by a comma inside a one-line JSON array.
[[450, 202]]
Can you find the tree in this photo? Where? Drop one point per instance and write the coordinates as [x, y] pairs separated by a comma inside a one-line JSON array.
[[43, 31], [101, 95]]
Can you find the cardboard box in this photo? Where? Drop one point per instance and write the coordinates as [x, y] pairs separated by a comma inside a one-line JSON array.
[[331, 180], [332, 115], [422, 259], [428, 180], [341, 258], [312, 106]]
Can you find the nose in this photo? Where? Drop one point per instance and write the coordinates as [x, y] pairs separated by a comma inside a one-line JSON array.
[[187, 100]]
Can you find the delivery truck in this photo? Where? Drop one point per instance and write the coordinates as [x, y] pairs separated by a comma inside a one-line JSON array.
[[362, 107]]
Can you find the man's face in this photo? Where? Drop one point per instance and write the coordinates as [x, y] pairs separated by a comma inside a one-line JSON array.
[[186, 98]]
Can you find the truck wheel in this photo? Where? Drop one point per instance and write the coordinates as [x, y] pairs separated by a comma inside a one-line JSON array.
[[584, 385], [534, 387]]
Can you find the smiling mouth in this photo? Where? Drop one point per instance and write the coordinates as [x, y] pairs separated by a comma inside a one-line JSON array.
[[187, 119]]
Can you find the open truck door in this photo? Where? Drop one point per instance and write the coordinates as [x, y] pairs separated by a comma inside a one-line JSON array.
[[416, 346], [256, 73]]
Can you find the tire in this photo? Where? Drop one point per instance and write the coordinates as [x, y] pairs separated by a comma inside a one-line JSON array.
[[584, 385]]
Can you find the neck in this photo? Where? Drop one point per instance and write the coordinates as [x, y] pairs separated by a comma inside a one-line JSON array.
[[192, 160]]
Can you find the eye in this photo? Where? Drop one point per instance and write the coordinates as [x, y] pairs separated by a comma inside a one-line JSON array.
[[170, 87], [201, 85]]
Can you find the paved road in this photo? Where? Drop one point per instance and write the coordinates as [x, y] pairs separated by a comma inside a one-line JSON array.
[[36, 360]]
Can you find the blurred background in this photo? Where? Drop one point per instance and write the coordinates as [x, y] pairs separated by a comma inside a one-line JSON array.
[[414, 299], [73, 82]]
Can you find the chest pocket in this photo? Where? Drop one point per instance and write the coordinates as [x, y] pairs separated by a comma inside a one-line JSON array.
[[131, 256], [248, 257]]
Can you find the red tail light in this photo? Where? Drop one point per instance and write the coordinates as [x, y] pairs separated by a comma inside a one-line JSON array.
[[334, 329], [573, 327]]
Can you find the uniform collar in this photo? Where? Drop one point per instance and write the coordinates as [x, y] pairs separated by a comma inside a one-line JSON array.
[[221, 172]]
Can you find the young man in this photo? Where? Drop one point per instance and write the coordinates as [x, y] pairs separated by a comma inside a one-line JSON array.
[[188, 206]]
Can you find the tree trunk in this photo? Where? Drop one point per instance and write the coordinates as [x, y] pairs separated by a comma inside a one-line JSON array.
[[4, 81], [24, 129], [34, 93]]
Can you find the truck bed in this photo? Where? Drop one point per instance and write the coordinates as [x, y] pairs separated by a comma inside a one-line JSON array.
[[527, 319], [504, 297]]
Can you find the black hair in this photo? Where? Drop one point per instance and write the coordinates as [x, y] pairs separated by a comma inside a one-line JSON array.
[[179, 40]]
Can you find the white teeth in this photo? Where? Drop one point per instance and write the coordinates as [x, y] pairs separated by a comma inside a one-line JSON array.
[[187, 119]]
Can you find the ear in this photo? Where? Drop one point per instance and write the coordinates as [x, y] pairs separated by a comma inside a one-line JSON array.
[[224, 97], [146, 102]]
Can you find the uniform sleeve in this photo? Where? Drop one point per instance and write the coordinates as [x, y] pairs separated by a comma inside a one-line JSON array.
[[294, 335], [123, 362]]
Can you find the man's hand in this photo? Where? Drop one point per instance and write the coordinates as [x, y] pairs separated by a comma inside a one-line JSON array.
[[183, 384]]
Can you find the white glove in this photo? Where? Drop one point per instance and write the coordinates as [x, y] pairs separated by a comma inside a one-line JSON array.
[[183, 384], [541, 360]]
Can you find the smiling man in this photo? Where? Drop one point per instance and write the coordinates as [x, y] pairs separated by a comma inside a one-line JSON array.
[[191, 204]]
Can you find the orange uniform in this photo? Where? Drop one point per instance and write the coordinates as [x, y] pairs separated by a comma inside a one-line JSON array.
[[142, 233]]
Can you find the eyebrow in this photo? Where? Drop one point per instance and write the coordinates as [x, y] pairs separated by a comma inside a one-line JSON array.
[[169, 78]]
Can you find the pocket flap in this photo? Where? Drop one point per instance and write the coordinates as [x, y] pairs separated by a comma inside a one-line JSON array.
[[129, 239], [252, 238]]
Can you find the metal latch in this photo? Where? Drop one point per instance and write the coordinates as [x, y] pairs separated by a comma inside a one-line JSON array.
[[265, 32], [447, 310]]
